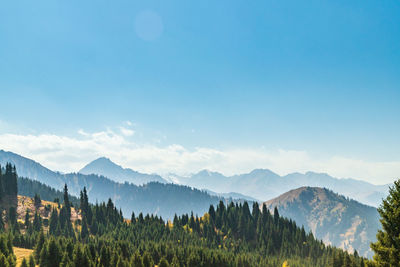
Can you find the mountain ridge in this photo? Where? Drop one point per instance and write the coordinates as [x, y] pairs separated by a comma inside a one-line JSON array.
[[331, 217], [154, 198], [260, 184], [264, 184], [104, 166]]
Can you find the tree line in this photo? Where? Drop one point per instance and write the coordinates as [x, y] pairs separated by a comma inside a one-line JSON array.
[[235, 234]]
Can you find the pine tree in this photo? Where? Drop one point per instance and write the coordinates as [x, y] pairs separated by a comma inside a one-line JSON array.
[[85, 230], [53, 253], [147, 260], [31, 262], [24, 263], [37, 201], [27, 219], [65, 262], [256, 211], [39, 245], [211, 211], [1, 184], [53, 221], [37, 222], [276, 216], [362, 264], [346, 260], [12, 216], [387, 246], [3, 260], [67, 204], [80, 258], [14, 183], [175, 262], [105, 257], [136, 260], [133, 219], [163, 262]]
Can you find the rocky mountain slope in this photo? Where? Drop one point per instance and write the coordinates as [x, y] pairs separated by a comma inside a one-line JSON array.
[[333, 218]]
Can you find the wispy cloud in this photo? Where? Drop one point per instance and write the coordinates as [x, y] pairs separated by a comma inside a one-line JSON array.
[[126, 131], [67, 153]]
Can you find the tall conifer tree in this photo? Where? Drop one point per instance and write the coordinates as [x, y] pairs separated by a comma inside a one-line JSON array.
[[387, 246]]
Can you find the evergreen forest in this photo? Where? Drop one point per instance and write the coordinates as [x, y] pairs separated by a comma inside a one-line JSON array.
[[229, 234]]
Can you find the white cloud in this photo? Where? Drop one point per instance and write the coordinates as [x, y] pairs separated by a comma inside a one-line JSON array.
[[82, 132], [126, 131], [65, 153]]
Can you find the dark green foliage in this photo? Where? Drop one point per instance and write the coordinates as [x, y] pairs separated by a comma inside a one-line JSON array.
[[232, 235], [387, 246], [50, 256], [243, 238], [31, 262], [163, 262], [7, 257], [30, 188], [24, 263], [37, 222], [37, 201], [9, 180], [85, 230], [8, 186], [12, 216], [39, 245]]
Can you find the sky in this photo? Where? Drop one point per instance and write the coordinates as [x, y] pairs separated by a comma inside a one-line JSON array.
[[180, 86]]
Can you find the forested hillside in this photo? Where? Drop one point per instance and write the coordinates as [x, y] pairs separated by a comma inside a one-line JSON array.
[[333, 218], [232, 235], [31, 188], [155, 198], [98, 235]]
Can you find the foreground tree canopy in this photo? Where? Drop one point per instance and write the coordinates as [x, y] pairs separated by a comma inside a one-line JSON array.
[[387, 247]]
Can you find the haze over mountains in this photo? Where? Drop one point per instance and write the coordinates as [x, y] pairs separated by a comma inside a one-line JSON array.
[[104, 166], [154, 198], [332, 218], [264, 184], [260, 184]]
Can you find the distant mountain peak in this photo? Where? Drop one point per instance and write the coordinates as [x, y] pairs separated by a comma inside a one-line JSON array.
[[103, 160], [206, 172], [107, 168], [263, 172]]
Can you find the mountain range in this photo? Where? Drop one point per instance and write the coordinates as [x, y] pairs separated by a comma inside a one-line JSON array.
[[160, 199], [264, 184], [105, 167], [332, 218]]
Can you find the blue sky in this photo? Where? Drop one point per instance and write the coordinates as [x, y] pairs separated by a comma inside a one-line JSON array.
[[321, 77]]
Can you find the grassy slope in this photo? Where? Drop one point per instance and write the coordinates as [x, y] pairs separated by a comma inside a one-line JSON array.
[[27, 203], [21, 253]]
